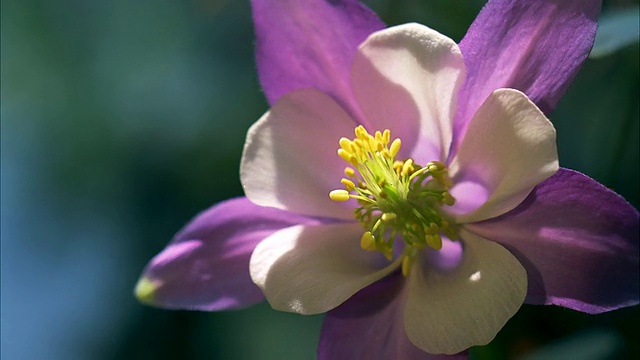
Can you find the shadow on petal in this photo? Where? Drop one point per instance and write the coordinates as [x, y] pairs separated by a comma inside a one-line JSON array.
[[370, 325]]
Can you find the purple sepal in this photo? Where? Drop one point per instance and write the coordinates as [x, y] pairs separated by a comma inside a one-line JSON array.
[[206, 265], [370, 325], [578, 241], [536, 47], [310, 44]]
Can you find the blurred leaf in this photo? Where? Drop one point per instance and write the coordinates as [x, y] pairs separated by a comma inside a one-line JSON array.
[[617, 29], [598, 344]]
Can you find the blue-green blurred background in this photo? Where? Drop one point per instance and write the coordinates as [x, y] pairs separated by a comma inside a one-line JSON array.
[[122, 119]]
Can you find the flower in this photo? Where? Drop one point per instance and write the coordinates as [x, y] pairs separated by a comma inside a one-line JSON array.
[[484, 218]]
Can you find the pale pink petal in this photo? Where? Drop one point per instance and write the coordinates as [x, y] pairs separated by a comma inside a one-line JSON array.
[[450, 310], [290, 157], [406, 79], [313, 269], [509, 148]]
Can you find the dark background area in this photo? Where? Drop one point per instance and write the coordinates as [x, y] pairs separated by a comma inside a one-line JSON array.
[[123, 119]]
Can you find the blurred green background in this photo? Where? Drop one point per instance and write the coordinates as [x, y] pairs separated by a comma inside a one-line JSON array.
[[123, 119]]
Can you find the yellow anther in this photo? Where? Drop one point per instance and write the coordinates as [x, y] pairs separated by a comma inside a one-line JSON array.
[[395, 147], [386, 217], [407, 262], [386, 154], [361, 132], [339, 195], [378, 136], [358, 144], [368, 242], [407, 168], [397, 166], [434, 241], [349, 172], [348, 184], [386, 136], [436, 166], [373, 144], [447, 199], [348, 157], [346, 144], [431, 229]]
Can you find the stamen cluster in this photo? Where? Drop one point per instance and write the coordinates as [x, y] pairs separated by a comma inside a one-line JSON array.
[[394, 197]]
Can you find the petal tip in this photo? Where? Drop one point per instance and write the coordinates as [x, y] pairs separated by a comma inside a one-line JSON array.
[[145, 290]]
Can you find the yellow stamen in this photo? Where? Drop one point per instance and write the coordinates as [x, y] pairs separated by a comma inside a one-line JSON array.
[[407, 167], [388, 217], [368, 242], [349, 172], [386, 136], [339, 195], [395, 199], [346, 144], [378, 136], [447, 199], [348, 184], [434, 241], [395, 147], [348, 157], [407, 262]]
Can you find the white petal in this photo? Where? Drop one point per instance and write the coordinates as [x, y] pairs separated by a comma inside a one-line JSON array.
[[406, 79], [509, 147], [450, 310], [313, 269], [290, 161]]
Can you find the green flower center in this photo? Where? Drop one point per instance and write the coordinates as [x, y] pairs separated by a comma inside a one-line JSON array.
[[394, 197]]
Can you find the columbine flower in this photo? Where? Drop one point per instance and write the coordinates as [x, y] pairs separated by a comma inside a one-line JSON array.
[[444, 209]]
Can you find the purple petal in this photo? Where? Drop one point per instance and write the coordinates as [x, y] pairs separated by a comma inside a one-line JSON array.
[[206, 265], [370, 325], [310, 44], [536, 47], [578, 241]]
